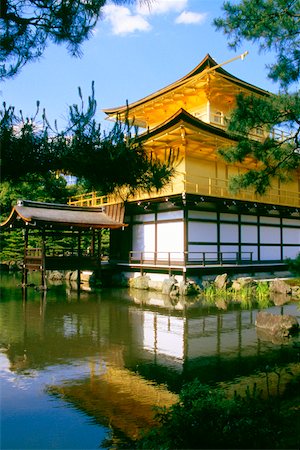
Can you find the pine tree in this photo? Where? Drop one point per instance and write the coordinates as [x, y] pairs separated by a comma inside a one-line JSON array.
[[275, 26], [28, 26]]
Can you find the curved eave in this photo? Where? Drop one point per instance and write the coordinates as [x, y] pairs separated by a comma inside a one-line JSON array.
[[38, 214], [207, 63], [183, 116]]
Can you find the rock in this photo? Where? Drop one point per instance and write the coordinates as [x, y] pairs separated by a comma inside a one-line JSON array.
[[55, 275], [85, 276], [168, 285], [278, 285], [141, 282], [276, 339], [174, 293], [221, 303], [280, 299], [243, 282], [68, 275], [221, 281], [155, 285], [206, 284], [277, 325], [73, 276], [296, 292], [189, 288]]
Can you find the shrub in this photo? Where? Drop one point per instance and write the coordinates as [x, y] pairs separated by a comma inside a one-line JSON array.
[[205, 418]]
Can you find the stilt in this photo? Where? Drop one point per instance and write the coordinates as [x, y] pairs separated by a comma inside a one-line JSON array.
[[99, 255], [93, 243], [25, 271], [43, 267], [79, 256]]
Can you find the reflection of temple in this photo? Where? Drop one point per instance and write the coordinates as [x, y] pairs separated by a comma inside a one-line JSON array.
[[112, 351]]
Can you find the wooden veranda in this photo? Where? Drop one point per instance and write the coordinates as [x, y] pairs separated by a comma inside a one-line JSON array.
[[57, 220]]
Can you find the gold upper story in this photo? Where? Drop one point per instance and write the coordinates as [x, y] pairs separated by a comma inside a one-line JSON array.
[[189, 116]]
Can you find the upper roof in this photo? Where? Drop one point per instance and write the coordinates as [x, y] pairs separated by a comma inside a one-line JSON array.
[[207, 65], [41, 214]]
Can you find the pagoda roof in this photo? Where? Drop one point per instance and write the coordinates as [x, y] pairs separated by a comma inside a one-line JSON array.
[[183, 116], [39, 214], [207, 65]]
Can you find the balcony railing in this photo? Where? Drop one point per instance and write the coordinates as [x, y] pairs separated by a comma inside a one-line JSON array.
[[183, 259], [217, 187], [219, 119], [206, 186]]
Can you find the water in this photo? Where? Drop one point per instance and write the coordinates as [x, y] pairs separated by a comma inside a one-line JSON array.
[[82, 370]]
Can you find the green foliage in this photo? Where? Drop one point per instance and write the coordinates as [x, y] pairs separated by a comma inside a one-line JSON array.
[[205, 418], [48, 188], [27, 27], [102, 161], [294, 265], [11, 246], [274, 25], [277, 157], [262, 289]]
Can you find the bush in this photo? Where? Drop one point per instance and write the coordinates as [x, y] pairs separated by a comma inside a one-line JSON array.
[[205, 418], [294, 265]]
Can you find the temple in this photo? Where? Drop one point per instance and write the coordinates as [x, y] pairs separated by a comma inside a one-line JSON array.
[[196, 222]]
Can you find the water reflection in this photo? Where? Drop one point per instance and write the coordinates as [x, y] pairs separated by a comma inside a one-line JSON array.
[[115, 353]]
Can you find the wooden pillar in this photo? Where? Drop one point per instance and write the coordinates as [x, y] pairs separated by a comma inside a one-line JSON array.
[[25, 270], [93, 243], [79, 257], [43, 268], [99, 253]]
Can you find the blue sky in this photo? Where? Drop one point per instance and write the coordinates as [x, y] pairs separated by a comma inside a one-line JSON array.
[[134, 51]]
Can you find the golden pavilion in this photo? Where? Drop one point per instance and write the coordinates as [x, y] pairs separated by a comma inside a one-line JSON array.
[[195, 221]]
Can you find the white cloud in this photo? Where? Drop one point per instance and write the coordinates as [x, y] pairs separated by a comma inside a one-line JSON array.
[[123, 21], [161, 6], [188, 17]]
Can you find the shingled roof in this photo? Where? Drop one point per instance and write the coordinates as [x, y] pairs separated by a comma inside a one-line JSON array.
[[39, 214]]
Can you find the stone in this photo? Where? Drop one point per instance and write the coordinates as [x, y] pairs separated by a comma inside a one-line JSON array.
[[295, 292], [73, 276], [174, 293], [155, 285], [189, 288], [141, 282], [168, 285], [280, 286], [55, 275], [280, 299], [277, 325], [242, 282], [221, 281]]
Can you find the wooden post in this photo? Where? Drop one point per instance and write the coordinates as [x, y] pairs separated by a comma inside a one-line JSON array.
[[93, 243], [79, 257], [25, 271], [43, 268], [99, 254]]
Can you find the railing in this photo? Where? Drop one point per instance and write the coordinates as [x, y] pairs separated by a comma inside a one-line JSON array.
[[64, 259], [183, 259], [218, 187], [33, 258], [206, 186], [219, 119]]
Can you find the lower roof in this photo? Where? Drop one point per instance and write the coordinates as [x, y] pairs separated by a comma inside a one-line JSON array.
[[40, 214]]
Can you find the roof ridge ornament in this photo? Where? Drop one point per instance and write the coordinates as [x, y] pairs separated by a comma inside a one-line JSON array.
[[242, 57]]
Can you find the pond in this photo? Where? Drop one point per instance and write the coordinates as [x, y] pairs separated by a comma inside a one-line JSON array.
[[82, 370]]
